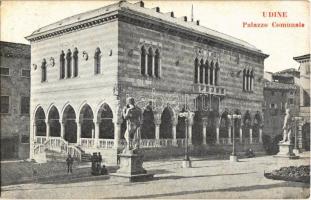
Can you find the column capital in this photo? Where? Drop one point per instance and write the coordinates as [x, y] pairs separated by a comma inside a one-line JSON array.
[[205, 121]]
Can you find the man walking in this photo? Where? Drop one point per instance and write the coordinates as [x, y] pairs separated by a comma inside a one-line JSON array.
[[69, 162]]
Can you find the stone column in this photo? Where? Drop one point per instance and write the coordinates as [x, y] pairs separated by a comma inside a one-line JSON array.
[[34, 137], [190, 123], [205, 121], [117, 131], [229, 135], [217, 135], [199, 69], [62, 130], [153, 66], [47, 129], [96, 134], [260, 135], [174, 124], [157, 122], [213, 77], [78, 132], [241, 136], [251, 136]]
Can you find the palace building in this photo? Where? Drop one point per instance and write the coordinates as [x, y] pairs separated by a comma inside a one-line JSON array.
[[84, 67]]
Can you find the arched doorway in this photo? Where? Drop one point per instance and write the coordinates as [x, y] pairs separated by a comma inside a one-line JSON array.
[[247, 121], [86, 120], [211, 127], [54, 123], [306, 136], [181, 128], [237, 125], [106, 126], [148, 126], [69, 119], [197, 128], [40, 122], [224, 125], [256, 125], [166, 123]]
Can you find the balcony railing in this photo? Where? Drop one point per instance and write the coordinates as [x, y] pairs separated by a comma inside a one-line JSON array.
[[87, 142], [106, 143], [209, 89], [40, 139]]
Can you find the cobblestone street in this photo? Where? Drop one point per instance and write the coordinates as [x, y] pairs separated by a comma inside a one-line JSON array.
[[209, 178]]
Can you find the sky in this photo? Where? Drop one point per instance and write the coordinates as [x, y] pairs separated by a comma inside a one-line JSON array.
[[20, 18]]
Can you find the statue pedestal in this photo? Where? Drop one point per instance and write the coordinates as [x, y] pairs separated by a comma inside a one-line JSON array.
[[131, 167], [286, 151]]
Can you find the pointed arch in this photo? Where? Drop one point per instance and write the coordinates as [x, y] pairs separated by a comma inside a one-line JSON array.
[[217, 70], [211, 74], [53, 119], [244, 79], [206, 72], [97, 61], [143, 63], [157, 62], [43, 70], [196, 70], [40, 122], [69, 63], [62, 65], [201, 71], [150, 62], [148, 125], [75, 62], [86, 118], [105, 119], [166, 125], [70, 122]]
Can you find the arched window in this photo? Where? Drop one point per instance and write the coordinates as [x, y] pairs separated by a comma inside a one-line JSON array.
[[201, 70], [157, 64], [75, 62], [216, 73], [244, 80], [196, 70], [97, 59], [206, 72], [62, 65], [211, 74], [150, 61], [143, 61], [68, 58], [43, 68], [251, 81], [247, 80]]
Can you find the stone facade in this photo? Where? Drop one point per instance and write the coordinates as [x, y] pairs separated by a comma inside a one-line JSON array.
[[15, 95], [281, 91], [304, 106], [167, 64]]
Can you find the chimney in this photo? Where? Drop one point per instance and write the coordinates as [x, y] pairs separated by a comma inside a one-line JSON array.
[[171, 14], [185, 18], [198, 22], [157, 9], [140, 3]]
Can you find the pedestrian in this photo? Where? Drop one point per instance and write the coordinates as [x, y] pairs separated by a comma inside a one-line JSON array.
[[69, 162]]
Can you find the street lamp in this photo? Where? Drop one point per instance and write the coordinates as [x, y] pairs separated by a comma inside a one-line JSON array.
[[233, 156], [186, 162]]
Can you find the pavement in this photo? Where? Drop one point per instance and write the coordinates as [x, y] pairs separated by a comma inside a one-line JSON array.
[[209, 178]]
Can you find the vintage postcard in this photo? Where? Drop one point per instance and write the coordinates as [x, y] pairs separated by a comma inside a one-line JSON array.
[[155, 99]]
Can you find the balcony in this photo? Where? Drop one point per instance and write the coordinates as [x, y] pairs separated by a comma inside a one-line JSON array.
[[209, 89]]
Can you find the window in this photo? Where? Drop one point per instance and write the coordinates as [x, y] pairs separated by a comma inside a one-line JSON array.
[[196, 70], [75, 62], [217, 74], [62, 65], [206, 72], [143, 61], [97, 57], [150, 62], [43, 70], [157, 64], [5, 104], [25, 73], [211, 74], [244, 80], [201, 70], [248, 80], [25, 105], [4, 71], [291, 101], [68, 58]]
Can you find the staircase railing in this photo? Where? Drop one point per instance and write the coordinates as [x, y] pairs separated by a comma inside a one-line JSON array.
[[60, 145]]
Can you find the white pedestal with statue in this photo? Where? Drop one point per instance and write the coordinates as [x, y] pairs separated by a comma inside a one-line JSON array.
[[286, 151], [131, 159]]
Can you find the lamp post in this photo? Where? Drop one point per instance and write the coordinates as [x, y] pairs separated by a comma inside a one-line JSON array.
[[186, 162], [232, 117]]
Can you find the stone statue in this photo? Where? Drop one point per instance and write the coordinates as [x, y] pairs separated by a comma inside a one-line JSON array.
[[132, 115], [287, 132]]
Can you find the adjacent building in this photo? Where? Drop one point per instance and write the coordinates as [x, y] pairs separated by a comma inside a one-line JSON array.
[[304, 104], [15, 100], [84, 67]]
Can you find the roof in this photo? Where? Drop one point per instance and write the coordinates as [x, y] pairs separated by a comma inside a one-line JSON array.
[[303, 57], [124, 6], [279, 86]]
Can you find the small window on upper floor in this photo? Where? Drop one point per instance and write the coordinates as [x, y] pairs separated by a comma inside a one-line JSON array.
[[97, 61], [25, 73], [62, 65], [75, 62], [25, 105], [5, 104], [4, 71], [43, 71]]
